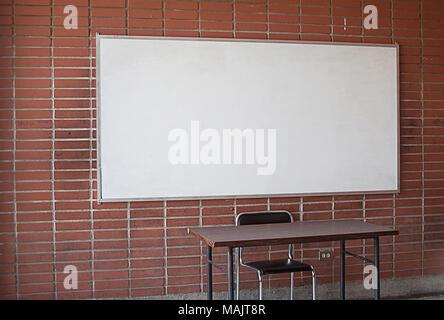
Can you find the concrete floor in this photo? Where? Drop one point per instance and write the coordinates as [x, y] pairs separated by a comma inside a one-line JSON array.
[[432, 297], [408, 288]]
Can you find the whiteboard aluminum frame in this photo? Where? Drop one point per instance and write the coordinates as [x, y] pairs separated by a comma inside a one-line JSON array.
[[98, 106]]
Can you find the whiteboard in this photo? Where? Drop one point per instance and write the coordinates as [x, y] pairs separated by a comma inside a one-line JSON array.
[[182, 118]]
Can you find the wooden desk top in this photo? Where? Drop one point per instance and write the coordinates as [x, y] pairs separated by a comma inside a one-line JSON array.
[[283, 233]]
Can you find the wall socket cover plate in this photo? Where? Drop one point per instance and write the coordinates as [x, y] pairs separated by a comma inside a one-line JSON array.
[[325, 254]]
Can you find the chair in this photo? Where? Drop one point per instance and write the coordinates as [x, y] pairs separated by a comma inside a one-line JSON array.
[[262, 268]]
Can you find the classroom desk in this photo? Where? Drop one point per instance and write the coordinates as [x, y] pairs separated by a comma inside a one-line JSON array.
[[285, 233]]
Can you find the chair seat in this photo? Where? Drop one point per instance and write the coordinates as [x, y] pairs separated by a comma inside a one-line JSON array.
[[278, 266]]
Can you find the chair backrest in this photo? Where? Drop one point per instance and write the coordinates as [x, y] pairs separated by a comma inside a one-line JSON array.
[[263, 217]]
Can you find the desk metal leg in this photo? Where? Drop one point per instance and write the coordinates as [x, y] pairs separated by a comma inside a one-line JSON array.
[[342, 285], [376, 245], [237, 258], [230, 274], [375, 263], [209, 273]]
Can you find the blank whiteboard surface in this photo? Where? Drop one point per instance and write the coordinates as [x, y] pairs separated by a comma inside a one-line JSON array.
[[333, 108]]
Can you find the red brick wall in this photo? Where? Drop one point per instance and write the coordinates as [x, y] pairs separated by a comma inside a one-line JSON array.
[[50, 218]]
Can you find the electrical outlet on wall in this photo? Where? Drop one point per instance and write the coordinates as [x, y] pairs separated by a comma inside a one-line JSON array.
[[325, 254]]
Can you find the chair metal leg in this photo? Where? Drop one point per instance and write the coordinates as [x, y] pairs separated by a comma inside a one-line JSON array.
[[313, 283], [260, 285], [291, 285]]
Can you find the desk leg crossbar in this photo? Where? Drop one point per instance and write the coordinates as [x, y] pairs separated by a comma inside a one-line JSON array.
[[229, 273], [375, 263]]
